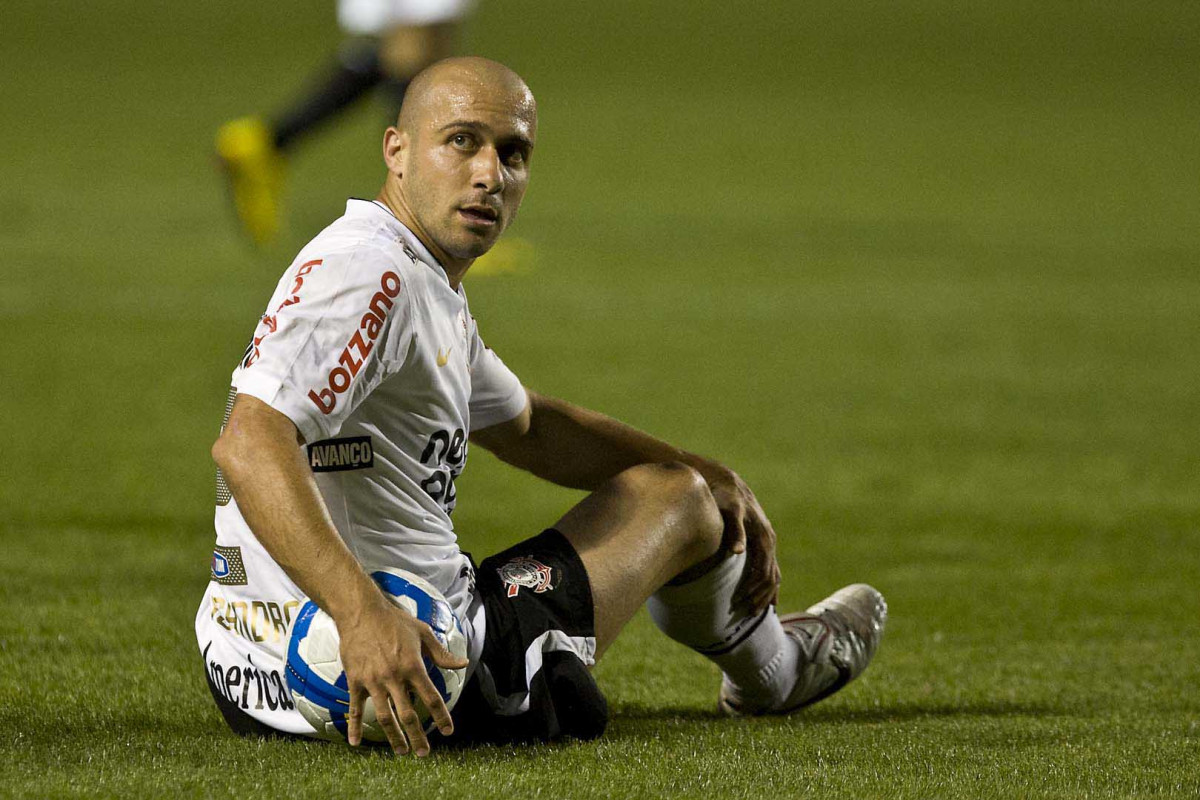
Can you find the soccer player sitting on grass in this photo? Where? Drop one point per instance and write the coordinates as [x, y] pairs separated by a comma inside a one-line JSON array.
[[349, 420]]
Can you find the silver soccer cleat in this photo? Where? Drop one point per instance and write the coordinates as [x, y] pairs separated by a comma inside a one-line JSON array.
[[837, 638]]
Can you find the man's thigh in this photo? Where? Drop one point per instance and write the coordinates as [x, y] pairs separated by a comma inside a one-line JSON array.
[[554, 602], [638, 532]]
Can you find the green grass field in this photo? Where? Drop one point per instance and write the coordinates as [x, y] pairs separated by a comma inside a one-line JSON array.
[[926, 273]]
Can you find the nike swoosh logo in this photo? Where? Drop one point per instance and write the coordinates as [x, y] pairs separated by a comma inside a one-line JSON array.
[[442, 358]]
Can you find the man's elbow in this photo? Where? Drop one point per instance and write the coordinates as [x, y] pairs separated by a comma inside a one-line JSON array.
[[233, 450], [223, 450], [253, 432]]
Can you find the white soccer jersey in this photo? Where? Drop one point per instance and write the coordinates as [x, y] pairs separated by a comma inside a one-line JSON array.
[[379, 364]]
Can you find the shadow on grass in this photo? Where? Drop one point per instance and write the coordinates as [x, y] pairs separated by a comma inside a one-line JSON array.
[[636, 713], [903, 713], [628, 723]]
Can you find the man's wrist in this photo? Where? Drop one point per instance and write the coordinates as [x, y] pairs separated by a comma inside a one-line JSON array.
[[357, 598]]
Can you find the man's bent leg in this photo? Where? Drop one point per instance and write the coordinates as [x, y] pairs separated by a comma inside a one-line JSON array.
[[653, 534], [637, 532]]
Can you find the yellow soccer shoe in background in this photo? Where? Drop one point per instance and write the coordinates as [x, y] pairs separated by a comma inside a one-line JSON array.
[[254, 168]]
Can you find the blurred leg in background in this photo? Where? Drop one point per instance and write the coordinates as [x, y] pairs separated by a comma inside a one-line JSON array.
[[389, 42]]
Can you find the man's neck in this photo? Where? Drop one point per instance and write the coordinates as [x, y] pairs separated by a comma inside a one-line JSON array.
[[454, 268]]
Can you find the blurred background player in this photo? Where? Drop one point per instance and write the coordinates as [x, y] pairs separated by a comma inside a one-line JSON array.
[[389, 42]]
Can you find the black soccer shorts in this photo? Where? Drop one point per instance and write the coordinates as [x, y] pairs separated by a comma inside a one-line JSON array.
[[532, 683]]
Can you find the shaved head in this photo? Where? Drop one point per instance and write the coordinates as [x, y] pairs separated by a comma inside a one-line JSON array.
[[464, 80], [458, 157]]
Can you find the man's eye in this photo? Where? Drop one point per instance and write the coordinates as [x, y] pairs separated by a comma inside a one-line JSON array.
[[460, 140], [514, 157]]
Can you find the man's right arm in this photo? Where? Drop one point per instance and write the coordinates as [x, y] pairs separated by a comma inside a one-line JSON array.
[[381, 645]]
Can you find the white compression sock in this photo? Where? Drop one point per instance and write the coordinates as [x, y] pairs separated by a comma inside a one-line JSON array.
[[753, 652]]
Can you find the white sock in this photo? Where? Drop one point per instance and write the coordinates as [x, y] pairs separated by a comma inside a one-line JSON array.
[[753, 652]]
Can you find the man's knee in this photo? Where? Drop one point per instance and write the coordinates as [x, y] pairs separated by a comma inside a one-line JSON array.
[[686, 492]]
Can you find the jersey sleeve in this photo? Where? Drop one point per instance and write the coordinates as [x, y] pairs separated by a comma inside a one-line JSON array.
[[496, 393], [338, 326]]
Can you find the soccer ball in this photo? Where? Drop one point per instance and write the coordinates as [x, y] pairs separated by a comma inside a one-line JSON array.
[[314, 663]]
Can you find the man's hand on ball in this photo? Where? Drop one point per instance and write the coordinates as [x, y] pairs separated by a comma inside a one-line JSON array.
[[382, 649]]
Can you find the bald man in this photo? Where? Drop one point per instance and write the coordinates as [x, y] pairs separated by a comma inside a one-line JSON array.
[[368, 342]]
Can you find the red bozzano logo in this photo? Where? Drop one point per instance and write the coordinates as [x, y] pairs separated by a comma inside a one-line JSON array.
[[361, 343], [268, 324]]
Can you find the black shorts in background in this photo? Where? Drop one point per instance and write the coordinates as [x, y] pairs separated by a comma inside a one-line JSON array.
[[532, 683]]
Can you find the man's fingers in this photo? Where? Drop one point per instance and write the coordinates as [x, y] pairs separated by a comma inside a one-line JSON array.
[[410, 720], [764, 595], [354, 719], [757, 557], [767, 592], [762, 572], [387, 721], [438, 651], [747, 530], [758, 595], [744, 593], [735, 530], [432, 700], [428, 693], [760, 581]]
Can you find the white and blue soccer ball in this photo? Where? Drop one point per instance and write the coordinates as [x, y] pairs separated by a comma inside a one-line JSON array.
[[314, 663]]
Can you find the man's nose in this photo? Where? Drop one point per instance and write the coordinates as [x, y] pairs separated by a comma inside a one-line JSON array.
[[487, 173]]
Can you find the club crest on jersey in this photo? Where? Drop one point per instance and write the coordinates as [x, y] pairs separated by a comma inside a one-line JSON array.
[[527, 572]]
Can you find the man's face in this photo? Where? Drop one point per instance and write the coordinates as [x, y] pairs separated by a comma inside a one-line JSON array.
[[464, 165]]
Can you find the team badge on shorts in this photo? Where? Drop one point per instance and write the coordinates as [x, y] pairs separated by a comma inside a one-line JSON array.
[[527, 572]]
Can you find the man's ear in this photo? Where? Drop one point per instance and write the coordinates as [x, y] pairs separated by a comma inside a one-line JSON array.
[[395, 150]]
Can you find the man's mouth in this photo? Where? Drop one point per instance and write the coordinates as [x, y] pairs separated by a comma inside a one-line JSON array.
[[479, 214]]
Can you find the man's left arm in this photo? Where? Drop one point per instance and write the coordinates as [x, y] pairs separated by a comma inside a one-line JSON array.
[[581, 449]]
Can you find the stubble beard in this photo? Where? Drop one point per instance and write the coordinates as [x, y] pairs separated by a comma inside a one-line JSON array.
[[471, 246]]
